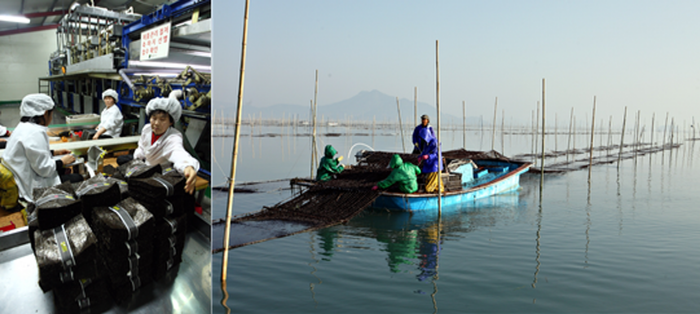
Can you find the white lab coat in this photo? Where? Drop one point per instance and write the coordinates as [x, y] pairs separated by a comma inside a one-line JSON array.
[[28, 157], [167, 148], [112, 120], [3, 130]]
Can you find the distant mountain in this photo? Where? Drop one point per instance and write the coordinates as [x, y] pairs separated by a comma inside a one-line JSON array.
[[365, 106]]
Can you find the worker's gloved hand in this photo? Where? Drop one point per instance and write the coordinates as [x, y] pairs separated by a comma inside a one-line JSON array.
[[374, 188], [340, 158]]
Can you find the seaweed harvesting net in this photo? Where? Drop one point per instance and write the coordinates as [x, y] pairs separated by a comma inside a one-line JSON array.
[[326, 203]]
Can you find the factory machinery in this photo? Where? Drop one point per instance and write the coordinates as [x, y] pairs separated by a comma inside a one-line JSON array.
[[100, 49]]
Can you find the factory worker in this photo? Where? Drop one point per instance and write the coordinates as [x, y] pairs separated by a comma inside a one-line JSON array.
[[4, 134], [111, 119], [28, 155], [328, 165], [403, 175], [160, 142]]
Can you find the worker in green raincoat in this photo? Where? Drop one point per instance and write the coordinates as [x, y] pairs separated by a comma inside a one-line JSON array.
[[404, 175], [329, 166]]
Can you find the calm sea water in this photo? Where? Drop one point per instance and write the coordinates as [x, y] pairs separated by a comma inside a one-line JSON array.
[[627, 242]]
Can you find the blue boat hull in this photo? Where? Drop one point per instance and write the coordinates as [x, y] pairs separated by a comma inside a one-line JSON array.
[[451, 199]]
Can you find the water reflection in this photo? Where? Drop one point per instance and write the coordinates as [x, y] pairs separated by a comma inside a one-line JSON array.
[[416, 239]]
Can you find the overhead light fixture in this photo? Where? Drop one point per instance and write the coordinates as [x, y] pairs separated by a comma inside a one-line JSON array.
[[14, 19], [167, 65]]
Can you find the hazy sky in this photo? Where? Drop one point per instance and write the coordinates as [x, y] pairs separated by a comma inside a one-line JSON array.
[[640, 54]]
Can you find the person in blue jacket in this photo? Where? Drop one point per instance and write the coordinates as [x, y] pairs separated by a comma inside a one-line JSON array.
[[430, 159], [425, 120]]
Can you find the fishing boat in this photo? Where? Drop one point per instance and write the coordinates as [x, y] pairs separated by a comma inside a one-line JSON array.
[[469, 176]]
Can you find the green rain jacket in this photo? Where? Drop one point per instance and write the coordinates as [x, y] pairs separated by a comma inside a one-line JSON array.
[[328, 166], [404, 174]]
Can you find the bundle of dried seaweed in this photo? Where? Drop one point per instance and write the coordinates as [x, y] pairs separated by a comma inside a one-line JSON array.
[[96, 191], [126, 234], [65, 253], [56, 205], [82, 295], [136, 169], [169, 241], [163, 195]]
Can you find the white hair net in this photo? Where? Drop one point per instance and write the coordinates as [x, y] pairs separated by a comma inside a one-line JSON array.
[[169, 105], [35, 105], [111, 93]]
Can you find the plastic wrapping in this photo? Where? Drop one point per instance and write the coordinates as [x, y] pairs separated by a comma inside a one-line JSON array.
[[56, 205], [97, 191], [65, 253], [169, 242], [163, 195], [159, 186], [126, 246], [82, 295], [123, 186], [112, 230], [136, 169], [123, 292]]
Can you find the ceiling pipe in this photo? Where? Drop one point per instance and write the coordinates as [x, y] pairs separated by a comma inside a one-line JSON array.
[[44, 14], [28, 30]]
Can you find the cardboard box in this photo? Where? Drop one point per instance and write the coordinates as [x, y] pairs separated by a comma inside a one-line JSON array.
[[11, 222]]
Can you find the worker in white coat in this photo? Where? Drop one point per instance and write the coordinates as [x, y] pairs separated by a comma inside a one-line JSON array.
[[160, 142], [4, 134], [111, 119], [28, 155]]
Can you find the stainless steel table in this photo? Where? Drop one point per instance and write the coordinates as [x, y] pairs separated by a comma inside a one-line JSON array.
[[190, 292]]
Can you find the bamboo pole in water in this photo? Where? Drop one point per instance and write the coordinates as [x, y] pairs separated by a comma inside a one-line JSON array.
[[609, 134], [493, 133], [415, 105], [503, 131], [437, 104], [555, 132], [590, 155], [543, 134], [532, 131], [464, 124], [314, 159], [652, 131], [568, 143], [622, 137], [537, 128], [663, 143], [403, 142], [239, 112]]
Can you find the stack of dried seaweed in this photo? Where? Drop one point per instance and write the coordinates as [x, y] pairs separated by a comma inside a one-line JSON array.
[[136, 169], [66, 253], [97, 191], [168, 243], [82, 295], [55, 205], [163, 195], [126, 234]]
